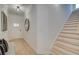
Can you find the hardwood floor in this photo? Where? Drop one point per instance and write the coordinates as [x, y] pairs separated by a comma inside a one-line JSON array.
[[22, 47]]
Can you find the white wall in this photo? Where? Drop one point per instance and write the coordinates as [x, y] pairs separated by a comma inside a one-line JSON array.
[[31, 35], [5, 33], [42, 28]]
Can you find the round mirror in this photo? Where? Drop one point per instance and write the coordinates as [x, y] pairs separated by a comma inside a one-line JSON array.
[[27, 24]]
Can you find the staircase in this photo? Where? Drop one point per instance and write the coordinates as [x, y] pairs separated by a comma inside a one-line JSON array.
[[67, 42]]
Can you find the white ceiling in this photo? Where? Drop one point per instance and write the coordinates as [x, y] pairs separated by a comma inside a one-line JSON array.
[[21, 12]]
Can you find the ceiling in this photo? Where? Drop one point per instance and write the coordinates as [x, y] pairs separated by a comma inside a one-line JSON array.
[[12, 9]]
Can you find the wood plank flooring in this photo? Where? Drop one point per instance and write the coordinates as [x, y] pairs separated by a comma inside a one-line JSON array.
[[22, 47]]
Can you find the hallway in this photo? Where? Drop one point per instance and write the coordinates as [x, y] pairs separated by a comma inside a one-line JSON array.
[[32, 29]]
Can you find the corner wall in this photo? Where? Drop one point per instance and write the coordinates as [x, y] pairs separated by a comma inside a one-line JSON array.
[[50, 21], [47, 21]]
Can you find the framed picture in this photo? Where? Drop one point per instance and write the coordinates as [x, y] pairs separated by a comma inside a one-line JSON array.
[[3, 21], [27, 24]]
